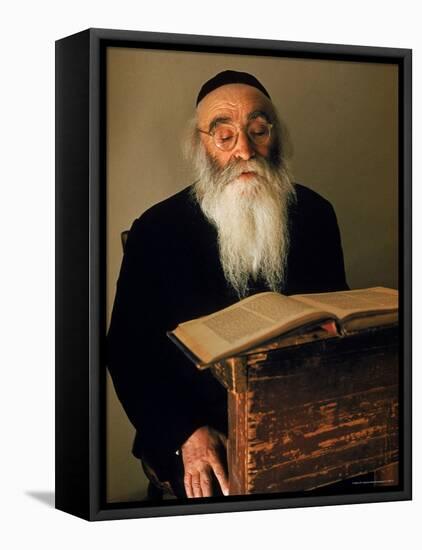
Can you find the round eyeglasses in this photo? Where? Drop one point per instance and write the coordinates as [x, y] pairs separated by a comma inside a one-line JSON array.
[[225, 135]]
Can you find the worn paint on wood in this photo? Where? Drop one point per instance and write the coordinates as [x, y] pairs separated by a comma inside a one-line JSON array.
[[232, 373], [237, 451], [310, 416]]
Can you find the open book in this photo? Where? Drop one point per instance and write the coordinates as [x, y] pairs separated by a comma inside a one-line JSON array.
[[267, 315]]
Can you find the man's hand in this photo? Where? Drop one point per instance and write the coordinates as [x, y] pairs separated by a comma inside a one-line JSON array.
[[203, 454]]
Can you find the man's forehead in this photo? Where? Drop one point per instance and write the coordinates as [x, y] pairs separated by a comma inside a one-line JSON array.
[[233, 100]]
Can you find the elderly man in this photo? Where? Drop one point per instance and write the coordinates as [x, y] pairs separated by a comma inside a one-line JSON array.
[[241, 228]]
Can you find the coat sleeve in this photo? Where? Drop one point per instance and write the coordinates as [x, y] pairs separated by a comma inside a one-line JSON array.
[[144, 365], [331, 256], [316, 262]]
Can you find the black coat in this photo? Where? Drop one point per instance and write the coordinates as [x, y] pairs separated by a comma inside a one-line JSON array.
[[171, 273]]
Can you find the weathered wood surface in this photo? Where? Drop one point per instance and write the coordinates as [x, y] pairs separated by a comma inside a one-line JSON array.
[[237, 451], [387, 475], [232, 373], [315, 415]]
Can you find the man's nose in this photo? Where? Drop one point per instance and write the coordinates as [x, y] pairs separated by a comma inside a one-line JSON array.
[[244, 148]]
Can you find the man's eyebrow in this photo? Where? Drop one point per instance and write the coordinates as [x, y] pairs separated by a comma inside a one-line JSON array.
[[218, 120], [251, 116], [257, 114]]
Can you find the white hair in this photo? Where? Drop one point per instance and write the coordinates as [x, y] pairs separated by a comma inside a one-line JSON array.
[[251, 217]]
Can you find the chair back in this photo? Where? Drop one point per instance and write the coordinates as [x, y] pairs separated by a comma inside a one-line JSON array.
[[123, 237]]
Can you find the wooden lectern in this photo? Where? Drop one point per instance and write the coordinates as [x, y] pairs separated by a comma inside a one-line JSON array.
[[306, 414]]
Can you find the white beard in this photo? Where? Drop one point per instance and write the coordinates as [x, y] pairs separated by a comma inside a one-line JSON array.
[[251, 218]]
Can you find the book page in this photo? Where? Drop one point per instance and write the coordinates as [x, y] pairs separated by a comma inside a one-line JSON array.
[[243, 324], [350, 302]]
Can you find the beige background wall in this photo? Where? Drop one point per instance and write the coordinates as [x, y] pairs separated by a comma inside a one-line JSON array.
[[342, 119]]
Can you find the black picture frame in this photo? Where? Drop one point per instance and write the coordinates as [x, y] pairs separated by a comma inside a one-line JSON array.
[[80, 267]]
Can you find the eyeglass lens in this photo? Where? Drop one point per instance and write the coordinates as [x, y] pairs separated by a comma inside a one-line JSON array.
[[225, 135]]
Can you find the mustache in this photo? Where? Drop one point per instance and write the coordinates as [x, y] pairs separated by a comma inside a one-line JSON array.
[[236, 167]]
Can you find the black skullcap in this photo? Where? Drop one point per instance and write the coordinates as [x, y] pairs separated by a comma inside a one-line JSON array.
[[230, 77]]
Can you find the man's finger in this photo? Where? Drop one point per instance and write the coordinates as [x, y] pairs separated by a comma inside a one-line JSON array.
[[223, 439], [188, 485], [206, 483], [196, 485], [220, 474]]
